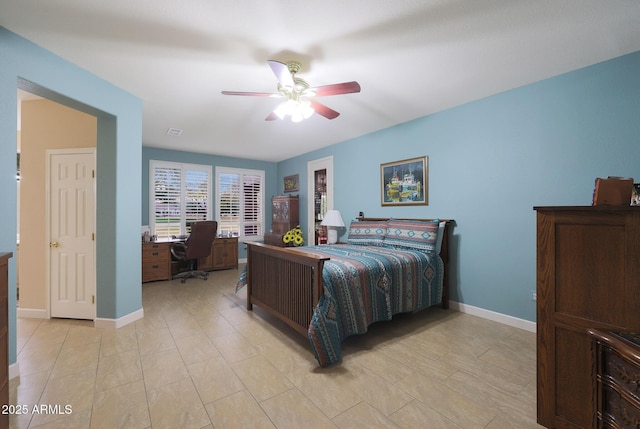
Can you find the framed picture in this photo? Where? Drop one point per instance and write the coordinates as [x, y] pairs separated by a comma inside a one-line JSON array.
[[291, 183], [404, 183], [635, 195]]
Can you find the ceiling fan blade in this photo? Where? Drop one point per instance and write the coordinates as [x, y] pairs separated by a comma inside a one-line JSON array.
[[251, 94], [323, 110], [281, 70], [336, 89], [272, 117]]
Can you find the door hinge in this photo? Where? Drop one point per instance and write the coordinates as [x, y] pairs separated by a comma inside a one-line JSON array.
[[93, 236], [93, 299], [93, 174]]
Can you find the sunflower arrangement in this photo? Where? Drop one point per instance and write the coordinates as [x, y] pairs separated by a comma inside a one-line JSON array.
[[294, 236]]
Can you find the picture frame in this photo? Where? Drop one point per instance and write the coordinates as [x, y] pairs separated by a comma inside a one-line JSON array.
[[405, 182], [635, 195], [291, 183]]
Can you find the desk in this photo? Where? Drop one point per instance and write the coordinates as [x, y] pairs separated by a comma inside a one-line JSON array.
[[156, 258], [223, 256]]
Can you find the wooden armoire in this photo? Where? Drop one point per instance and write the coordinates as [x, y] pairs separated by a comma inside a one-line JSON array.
[[284, 216], [588, 277]]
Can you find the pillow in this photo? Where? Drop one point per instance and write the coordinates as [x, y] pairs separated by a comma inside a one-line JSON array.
[[367, 233], [414, 235]]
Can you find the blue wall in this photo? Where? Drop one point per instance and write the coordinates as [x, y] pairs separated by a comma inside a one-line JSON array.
[[491, 162], [119, 143], [270, 169]]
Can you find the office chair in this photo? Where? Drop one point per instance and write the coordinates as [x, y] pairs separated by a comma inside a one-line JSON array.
[[197, 246]]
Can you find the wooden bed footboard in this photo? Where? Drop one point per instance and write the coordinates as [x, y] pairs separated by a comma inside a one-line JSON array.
[[286, 283]]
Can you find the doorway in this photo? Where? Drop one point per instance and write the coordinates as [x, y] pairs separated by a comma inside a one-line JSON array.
[[320, 191], [46, 126]]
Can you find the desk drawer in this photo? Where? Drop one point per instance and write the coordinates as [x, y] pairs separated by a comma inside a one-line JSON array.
[[156, 261], [156, 252], [156, 271]]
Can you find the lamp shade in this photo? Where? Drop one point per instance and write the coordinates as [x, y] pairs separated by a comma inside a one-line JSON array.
[[333, 218]]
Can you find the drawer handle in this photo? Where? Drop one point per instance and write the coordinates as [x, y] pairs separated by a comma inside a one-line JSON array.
[[154, 266], [155, 253]]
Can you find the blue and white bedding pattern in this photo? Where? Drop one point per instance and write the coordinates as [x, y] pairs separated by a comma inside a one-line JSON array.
[[367, 284]]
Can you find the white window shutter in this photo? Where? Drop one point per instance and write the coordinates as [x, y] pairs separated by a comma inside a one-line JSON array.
[[240, 202], [196, 196], [180, 194], [253, 203], [167, 202]]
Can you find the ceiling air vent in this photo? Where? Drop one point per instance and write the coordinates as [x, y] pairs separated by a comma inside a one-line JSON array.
[[175, 132]]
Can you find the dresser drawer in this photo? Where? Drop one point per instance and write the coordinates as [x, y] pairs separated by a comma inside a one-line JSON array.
[[624, 373], [618, 413]]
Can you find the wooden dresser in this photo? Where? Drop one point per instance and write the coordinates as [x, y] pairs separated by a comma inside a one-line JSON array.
[[588, 276], [4, 335], [284, 216], [616, 381]]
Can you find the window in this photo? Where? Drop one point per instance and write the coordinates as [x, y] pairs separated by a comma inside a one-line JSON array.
[[180, 194], [240, 202]]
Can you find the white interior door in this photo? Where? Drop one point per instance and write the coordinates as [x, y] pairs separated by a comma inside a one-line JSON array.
[[312, 167], [72, 279]]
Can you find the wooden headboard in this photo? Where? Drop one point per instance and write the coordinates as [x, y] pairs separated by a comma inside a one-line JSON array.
[[444, 252]]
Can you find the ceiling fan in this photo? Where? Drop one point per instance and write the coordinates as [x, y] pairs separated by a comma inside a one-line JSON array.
[[299, 97]]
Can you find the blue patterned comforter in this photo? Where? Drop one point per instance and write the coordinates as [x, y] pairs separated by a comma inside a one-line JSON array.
[[367, 284]]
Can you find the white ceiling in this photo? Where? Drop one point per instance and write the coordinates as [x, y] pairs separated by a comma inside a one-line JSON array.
[[411, 57]]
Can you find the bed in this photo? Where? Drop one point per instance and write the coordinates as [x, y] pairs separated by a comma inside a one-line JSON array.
[[329, 292]]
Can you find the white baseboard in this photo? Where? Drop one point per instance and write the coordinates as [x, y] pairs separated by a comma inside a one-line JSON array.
[[14, 370], [492, 315], [32, 313], [120, 322]]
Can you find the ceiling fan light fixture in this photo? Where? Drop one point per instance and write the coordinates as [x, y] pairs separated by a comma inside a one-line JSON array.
[[297, 117], [298, 110], [299, 96], [281, 111], [305, 108]]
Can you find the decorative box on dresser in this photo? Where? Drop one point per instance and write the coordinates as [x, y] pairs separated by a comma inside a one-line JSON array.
[[616, 381], [4, 336], [588, 277], [284, 216]]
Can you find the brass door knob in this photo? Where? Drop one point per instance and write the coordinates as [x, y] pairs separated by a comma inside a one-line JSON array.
[[54, 244]]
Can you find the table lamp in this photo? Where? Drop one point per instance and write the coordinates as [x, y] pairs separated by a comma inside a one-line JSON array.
[[332, 220]]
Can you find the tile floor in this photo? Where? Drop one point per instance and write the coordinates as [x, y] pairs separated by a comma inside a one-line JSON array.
[[198, 359]]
